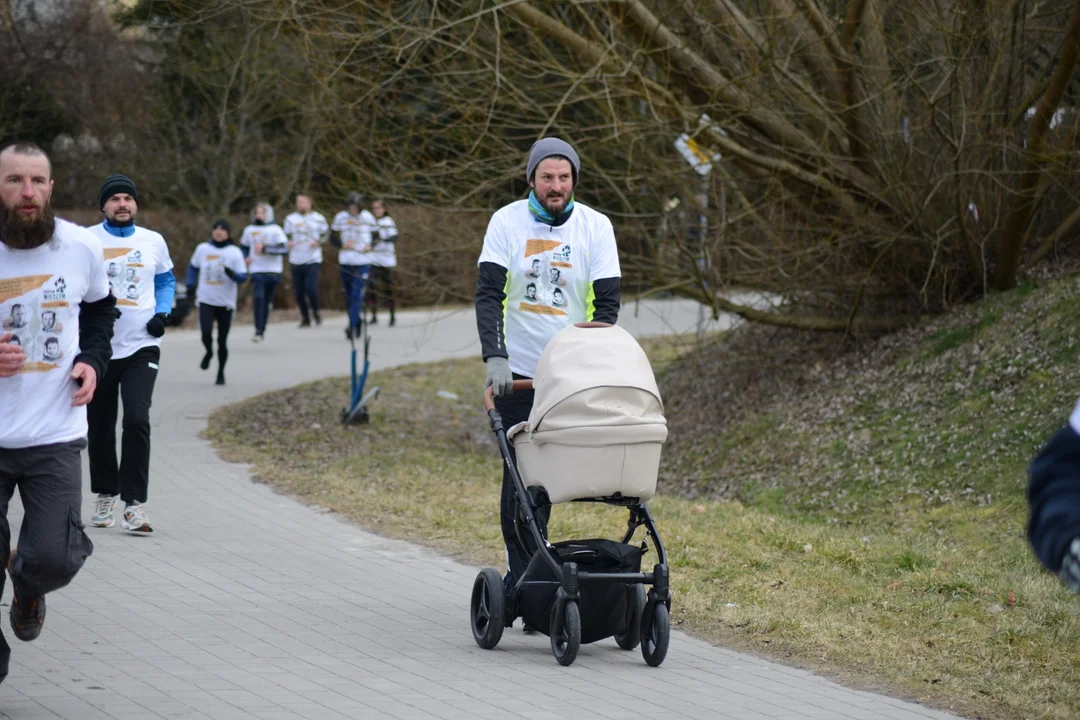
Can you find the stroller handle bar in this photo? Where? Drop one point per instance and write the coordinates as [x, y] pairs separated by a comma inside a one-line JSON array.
[[489, 393]]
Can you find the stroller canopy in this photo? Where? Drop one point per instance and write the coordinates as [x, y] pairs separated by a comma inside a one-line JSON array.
[[595, 386]]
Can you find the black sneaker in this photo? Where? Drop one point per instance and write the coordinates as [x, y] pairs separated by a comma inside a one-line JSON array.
[[205, 363], [27, 617], [220, 379], [318, 319], [305, 323]]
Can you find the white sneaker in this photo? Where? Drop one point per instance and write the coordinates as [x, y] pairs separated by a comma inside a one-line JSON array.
[[135, 519], [103, 511]]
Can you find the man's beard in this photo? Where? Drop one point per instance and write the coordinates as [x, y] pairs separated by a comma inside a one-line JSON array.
[[19, 232], [545, 203]]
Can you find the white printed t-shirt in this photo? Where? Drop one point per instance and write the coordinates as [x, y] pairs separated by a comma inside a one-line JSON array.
[[384, 254], [130, 265], [304, 230], [550, 274], [268, 236], [40, 292], [356, 232], [215, 287]]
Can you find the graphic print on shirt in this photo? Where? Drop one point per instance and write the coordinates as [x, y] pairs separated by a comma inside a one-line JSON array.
[[34, 309], [214, 268], [547, 275], [124, 266]]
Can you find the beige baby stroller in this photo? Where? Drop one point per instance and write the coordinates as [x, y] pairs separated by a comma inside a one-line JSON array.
[[594, 435]]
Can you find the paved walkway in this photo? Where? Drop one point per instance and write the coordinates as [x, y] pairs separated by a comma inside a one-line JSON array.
[[246, 604]]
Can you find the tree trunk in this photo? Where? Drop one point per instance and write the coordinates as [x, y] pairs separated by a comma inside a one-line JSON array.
[[1019, 218]]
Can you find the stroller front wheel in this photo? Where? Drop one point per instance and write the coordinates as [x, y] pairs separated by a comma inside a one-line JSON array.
[[655, 632], [488, 608], [565, 631]]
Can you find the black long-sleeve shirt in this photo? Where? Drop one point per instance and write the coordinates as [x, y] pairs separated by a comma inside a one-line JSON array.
[[96, 320]]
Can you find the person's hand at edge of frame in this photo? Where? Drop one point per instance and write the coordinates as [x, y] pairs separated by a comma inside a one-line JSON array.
[[499, 377], [12, 357], [87, 379]]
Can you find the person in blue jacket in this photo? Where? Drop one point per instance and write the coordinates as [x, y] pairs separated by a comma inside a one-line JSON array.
[[1054, 500]]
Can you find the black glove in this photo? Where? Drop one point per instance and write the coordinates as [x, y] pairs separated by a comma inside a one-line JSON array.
[[335, 239], [156, 325], [232, 274], [190, 293]]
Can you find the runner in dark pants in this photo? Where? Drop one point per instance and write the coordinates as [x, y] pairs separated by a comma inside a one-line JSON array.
[[264, 246], [217, 267], [521, 305], [383, 262], [47, 378], [144, 284]]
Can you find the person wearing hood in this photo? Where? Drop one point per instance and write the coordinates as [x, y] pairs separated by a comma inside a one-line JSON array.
[[264, 246], [142, 259], [217, 268]]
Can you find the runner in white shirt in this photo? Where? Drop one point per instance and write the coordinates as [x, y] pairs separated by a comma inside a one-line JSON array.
[[141, 255], [264, 244], [53, 350], [217, 266], [383, 261], [352, 232], [307, 231], [548, 262]]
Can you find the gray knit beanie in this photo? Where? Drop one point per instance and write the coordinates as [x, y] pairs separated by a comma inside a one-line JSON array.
[[547, 147]]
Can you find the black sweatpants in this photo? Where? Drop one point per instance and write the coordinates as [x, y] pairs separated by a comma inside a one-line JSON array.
[[381, 288], [132, 378], [53, 545], [208, 315], [515, 408]]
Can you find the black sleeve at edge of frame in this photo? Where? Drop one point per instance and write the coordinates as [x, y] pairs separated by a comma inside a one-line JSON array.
[[607, 296], [490, 299], [1054, 498], [96, 320]]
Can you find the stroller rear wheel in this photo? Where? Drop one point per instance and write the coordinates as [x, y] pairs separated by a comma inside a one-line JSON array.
[[655, 632], [488, 608], [565, 631], [635, 606]]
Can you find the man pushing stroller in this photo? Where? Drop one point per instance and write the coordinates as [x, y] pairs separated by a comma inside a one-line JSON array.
[[518, 310]]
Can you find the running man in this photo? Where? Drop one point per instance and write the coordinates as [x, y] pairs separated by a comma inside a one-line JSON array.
[[383, 261], [45, 262], [517, 316], [307, 231], [136, 353], [264, 246], [352, 232], [217, 267]]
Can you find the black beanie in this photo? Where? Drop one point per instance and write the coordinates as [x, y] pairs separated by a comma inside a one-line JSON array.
[[223, 224], [117, 183]]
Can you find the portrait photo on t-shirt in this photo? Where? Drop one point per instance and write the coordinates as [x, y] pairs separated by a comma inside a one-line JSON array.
[[52, 349], [533, 273], [17, 317], [555, 277], [49, 323], [530, 292], [558, 298]]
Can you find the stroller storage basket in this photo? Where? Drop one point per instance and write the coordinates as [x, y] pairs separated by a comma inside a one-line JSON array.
[[602, 605]]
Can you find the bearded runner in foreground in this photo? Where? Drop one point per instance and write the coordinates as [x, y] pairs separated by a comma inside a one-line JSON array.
[[521, 302], [49, 369]]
